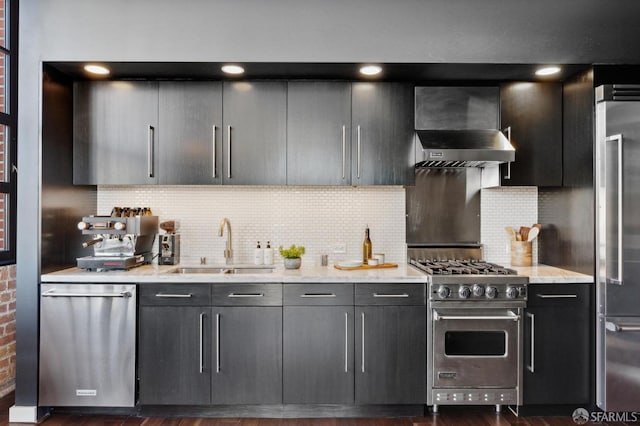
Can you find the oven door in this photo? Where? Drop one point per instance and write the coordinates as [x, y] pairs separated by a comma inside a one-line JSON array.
[[475, 348]]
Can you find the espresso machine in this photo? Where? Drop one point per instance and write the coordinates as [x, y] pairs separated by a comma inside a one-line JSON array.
[[121, 241]]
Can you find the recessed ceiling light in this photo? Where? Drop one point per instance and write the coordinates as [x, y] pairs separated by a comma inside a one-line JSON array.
[[548, 71], [96, 69], [370, 70], [232, 69]]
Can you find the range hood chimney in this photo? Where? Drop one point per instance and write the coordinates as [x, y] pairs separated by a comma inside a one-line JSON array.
[[464, 148], [458, 127]]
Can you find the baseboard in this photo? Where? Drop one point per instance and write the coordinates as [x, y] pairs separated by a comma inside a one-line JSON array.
[[23, 414]]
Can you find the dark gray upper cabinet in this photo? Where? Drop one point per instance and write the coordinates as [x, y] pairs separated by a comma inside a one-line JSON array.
[[533, 112], [382, 134], [190, 137], [456, 108], [319, 133], [254, 133], [115, 133], [558, 346]]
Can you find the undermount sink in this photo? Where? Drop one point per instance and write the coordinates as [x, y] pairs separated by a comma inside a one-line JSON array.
[[224, 269]]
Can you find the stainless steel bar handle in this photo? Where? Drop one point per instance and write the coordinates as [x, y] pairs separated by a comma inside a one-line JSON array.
[[344, 151], [618, 328], [358, 171], [532, 366], [150, 153], [229, 152], [174, 295], [201, 342], [438, 317], [317, 295], [508, 131], [362, 366], [619, 280], [217, 343], [557, 296], [346, 342], [213, 145], [52, 293], [390, 295], [246, 295]]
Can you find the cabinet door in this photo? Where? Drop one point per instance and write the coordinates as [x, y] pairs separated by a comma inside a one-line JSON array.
[[255, 133], [382, 148], [115, 133], [319, 133], [533, 111], [190, 136], [557, 348], [391, 355], [318, 355], [247, 355], [174, 360]]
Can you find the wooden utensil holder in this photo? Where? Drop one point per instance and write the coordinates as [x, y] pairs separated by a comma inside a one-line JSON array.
[[521, 253]]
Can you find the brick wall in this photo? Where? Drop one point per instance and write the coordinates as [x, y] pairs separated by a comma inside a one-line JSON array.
[[7, 329]]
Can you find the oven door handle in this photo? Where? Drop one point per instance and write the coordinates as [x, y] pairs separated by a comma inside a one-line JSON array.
[[511, 316]]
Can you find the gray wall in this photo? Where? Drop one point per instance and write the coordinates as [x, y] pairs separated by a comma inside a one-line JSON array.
[[434, 31]]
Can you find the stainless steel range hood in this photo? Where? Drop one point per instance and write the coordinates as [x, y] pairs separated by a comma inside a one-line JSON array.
[[463, 148]]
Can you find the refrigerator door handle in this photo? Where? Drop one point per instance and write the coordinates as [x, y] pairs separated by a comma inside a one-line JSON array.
[[619, 328], [619, 280]]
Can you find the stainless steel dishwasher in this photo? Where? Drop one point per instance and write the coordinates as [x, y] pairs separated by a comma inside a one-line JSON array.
[[87, 345]]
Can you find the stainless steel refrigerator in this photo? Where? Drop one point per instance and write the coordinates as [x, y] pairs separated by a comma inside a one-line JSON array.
[[618, 247]]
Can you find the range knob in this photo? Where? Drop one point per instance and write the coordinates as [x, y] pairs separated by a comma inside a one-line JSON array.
[[478, 290], [512, 292], [443, 292], [464, 292], [492, 292]]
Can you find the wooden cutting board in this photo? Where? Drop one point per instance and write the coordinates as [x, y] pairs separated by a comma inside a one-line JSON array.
[[354, 268]]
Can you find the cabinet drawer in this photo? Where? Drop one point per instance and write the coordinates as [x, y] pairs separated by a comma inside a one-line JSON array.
[[558, 294], [318, 294], [247, 294], [390, 294], [175, 294]]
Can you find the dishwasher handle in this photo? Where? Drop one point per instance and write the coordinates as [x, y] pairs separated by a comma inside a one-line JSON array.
[[52, 293]]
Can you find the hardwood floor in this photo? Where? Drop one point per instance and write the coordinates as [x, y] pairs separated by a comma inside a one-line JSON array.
[[448, 416]]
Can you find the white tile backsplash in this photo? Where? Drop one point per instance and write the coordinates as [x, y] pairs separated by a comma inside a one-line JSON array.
[[317, 217], [504, 206]]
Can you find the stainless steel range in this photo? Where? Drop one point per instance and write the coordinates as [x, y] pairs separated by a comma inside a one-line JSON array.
[[474, 327]]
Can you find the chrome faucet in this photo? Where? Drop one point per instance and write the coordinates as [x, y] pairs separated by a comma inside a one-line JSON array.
[[228, 251]]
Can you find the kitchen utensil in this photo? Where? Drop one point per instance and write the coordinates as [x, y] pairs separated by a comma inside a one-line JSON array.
[[524, 233], [511, 232], [533, 233], [537, 225]]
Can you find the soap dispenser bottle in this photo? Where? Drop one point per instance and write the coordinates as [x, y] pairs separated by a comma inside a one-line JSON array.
[[268, 254], [258, 256]]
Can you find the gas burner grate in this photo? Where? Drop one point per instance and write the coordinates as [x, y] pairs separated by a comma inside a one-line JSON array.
[[460, 267]]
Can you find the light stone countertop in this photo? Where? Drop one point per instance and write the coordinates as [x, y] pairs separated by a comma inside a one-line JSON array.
[[538, 274], [544, 274], [306, 274]]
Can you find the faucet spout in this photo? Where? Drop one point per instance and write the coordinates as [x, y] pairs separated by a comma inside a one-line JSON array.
[[228, 251]]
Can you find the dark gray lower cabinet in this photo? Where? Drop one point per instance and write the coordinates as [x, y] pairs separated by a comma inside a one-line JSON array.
[[174, 366], [390, 344], [247, 367], [318, 355], [391, 355], [557, 345]]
